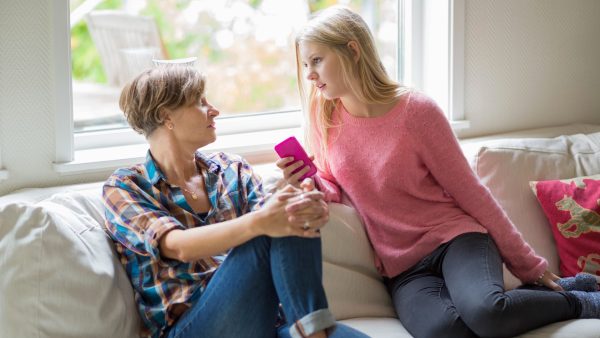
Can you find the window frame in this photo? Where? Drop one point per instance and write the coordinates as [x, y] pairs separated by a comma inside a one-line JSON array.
[[73, 149], [427, 28], [226, 125], [63, 91], [102, 150]]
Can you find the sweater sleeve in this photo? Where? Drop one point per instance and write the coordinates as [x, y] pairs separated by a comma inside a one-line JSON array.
[[328, 185], [324, 179], [439, 149]]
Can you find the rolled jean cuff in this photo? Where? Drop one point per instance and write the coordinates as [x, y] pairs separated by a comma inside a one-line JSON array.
[[312, 323]]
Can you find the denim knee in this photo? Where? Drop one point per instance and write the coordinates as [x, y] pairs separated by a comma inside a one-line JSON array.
[[489, 318], [446, 327], [259, 245], [306, 244]]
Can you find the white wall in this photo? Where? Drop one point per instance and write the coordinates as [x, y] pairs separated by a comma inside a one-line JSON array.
[[529, 63], [26, 100]]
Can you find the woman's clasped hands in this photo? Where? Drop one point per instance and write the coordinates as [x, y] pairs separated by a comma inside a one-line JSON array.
[[295, 211]]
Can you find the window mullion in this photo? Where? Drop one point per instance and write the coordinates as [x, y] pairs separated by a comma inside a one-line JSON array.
[[401, 38], [457, 60], [434, 54], [63, 102]]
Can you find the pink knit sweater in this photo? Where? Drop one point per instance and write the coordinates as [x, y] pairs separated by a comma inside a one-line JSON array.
[[407, 177]]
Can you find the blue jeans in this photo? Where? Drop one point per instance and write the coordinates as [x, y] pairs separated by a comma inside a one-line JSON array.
[[242, 299], [458, 291]]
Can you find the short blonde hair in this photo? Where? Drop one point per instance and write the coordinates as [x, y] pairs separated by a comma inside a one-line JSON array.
[[144, 99], [334, 28]]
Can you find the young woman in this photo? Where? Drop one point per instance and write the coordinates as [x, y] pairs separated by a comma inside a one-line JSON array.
[[206, 254], [439, 236]]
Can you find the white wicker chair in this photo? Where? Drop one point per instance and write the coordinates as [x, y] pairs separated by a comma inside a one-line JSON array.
[[126, 43]]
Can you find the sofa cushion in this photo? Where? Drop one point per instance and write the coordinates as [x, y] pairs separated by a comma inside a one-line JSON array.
[[392, 328], [576, 328], [573, 210], [379, 327], [507, 166], [354, 287], [61, 277]]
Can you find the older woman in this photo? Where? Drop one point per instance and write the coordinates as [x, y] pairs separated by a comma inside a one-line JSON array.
[[207, 254]]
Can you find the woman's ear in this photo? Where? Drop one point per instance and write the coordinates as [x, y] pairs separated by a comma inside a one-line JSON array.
[[353, 46], [165, 117]]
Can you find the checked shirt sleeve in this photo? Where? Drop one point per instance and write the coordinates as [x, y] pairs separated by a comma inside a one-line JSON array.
[[252, 187], [134, 218]]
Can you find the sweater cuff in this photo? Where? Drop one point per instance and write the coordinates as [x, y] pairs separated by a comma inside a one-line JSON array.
[[531, 275], [328, 189]]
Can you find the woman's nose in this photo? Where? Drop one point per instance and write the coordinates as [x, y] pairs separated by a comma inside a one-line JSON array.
[[311, 76], [212, 111]]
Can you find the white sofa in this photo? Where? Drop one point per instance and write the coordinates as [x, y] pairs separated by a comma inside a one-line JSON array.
[[60, 276]]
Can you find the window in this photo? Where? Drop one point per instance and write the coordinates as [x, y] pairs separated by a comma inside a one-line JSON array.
[[434, 53], [244, 46]]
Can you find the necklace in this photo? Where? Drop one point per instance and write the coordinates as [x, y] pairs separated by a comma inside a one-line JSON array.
[[196, 180], [191, 192]]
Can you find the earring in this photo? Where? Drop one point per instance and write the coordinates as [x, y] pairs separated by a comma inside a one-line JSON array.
[[170, 126]]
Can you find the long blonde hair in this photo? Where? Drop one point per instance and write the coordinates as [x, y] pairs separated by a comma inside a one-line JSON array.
[[335, 27]]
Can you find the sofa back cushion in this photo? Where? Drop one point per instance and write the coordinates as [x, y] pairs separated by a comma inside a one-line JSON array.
[[507, 166], [60, 274], [354, 287]]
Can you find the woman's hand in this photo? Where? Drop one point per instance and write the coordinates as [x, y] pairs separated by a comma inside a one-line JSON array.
[[288, 165], [308, 209], [548, 279], [275, 221]]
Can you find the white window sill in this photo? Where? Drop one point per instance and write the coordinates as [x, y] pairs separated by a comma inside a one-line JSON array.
[[3, 175], [256, 147], [460, 125]]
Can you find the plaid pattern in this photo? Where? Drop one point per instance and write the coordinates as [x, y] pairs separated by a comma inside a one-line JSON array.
[[141, 206]]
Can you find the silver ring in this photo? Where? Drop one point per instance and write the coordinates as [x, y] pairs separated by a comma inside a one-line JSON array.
[[306, 225]]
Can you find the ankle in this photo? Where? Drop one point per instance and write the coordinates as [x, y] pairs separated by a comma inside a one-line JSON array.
[[589, 302]]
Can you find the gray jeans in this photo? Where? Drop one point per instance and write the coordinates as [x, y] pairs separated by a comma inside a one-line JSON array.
[[458, 291]]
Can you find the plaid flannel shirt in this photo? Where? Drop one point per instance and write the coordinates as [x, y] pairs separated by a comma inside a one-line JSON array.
[[141, 206]]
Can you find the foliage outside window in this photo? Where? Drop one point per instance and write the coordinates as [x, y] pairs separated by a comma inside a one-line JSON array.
[[245, 47]]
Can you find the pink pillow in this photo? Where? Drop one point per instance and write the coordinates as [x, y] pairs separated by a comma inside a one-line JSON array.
[[572, 208]]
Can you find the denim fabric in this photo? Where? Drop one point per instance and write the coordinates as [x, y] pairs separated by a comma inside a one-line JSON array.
[[243, 297], [458, 291]]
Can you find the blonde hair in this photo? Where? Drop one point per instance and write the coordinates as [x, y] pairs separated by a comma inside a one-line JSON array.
[[144, 99], [335, 27]]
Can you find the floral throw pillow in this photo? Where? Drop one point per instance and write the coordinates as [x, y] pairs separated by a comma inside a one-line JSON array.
[[573, 210]]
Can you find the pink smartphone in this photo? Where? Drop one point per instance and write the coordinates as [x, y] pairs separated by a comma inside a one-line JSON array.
[[291, 147]]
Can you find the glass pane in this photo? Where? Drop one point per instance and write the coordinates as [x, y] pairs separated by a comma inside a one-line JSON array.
[[245, 47]]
